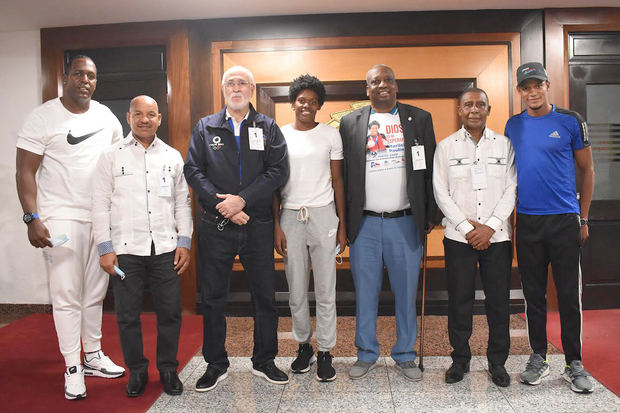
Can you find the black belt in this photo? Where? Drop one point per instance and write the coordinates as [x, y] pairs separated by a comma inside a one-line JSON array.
[[394, 214]]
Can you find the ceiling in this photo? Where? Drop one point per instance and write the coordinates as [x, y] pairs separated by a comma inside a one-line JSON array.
[[19, 15]]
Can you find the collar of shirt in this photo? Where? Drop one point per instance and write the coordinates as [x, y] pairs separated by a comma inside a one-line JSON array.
[[391, 112], [131, 140], [237, 126], [486, 134]]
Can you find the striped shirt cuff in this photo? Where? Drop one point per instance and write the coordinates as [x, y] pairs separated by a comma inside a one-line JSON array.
[[184, 242], [105, 248]]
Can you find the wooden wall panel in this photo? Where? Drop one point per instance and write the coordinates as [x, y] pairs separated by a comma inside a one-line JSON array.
[[492, 60], [443, 110]]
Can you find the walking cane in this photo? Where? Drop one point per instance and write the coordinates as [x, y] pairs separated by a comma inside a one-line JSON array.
[[424, 253]]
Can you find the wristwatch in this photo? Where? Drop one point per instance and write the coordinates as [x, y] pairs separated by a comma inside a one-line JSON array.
[[29, 217], [583, 221]]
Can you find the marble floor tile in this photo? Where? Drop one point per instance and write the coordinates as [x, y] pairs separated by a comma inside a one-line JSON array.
[[358, 402], [555, 395], [384, 390], [225, 402], [440, 401]]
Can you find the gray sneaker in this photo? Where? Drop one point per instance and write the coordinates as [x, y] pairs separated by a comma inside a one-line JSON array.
[[410, 370], [577, 376], [535, 369], [360, 369]]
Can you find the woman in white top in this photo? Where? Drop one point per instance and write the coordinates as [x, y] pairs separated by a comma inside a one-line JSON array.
[[310, 228]]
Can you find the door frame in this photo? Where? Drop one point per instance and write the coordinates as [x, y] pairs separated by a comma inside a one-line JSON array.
[[558, 24]]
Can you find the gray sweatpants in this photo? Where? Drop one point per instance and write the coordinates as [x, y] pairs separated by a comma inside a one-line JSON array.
[[312, 241]]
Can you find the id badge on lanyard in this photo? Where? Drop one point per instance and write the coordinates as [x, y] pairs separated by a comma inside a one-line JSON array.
[[255, 136], [418, 157], [478, 176], [165, 183]]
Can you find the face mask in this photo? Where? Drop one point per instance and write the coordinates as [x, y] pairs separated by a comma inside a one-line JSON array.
[[119, 272], [58, 240], [337, 254]]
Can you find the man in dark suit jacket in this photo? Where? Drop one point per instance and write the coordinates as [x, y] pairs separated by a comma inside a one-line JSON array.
[[390, 205]]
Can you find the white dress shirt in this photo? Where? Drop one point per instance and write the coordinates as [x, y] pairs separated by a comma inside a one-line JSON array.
[[453, 185], [140, 197]]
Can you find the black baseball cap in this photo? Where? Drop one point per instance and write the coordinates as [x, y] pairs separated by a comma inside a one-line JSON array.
[[532, 70]]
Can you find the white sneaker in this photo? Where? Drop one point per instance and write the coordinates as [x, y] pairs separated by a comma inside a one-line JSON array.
[[75, 389], [98, 364]]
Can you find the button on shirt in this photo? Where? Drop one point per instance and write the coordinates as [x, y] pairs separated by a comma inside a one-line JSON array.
[[454, 188], [140, 197]]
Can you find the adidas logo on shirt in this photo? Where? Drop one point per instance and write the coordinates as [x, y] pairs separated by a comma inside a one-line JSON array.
[[555, 134]]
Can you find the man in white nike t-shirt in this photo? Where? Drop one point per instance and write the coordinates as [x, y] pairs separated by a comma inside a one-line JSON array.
[[62, 140]]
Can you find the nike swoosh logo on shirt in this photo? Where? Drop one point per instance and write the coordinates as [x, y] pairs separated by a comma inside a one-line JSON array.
[[74, 140]]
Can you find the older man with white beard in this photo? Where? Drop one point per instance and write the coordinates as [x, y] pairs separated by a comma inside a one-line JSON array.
[[236, 160]]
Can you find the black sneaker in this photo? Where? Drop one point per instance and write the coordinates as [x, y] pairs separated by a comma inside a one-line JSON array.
[[271, 373], [324, 369], [211, 378], [305, 357]]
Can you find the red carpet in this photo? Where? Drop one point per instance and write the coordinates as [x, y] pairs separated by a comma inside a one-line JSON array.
[[600, 336], [31, 367]]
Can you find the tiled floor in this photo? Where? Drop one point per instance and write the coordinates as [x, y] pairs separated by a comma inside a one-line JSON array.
[[384, 390]]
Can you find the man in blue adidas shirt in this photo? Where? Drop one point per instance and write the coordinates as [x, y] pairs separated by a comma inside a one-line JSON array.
[[552, 219]]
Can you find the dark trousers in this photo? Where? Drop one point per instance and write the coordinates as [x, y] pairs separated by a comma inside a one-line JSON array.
[[555, 239], [495, 270], [156, 273], [253, 243]]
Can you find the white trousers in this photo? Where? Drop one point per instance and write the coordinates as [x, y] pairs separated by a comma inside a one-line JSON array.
[[312, 242], [77, 288]]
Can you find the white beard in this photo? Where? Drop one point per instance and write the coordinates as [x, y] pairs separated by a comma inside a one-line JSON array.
[[238, 105]]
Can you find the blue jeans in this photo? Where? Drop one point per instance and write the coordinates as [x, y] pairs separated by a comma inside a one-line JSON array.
[[395, 244], [217, 250]]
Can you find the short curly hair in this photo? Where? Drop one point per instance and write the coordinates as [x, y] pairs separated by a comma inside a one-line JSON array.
[[304, 82]]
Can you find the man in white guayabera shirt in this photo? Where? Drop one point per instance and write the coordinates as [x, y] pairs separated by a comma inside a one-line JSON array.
[[475, 185], [62, 140], [142, 221]]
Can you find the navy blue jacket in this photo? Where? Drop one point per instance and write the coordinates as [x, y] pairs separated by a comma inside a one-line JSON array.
[[212, 164]]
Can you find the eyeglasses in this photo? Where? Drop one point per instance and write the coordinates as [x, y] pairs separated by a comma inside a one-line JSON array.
[[238, 83]]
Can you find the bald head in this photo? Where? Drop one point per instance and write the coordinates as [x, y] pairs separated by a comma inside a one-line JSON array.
[[144, 119], [143, 100], [376, 67]]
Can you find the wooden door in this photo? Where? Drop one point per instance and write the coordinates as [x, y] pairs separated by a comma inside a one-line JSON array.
[[594, 70]]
